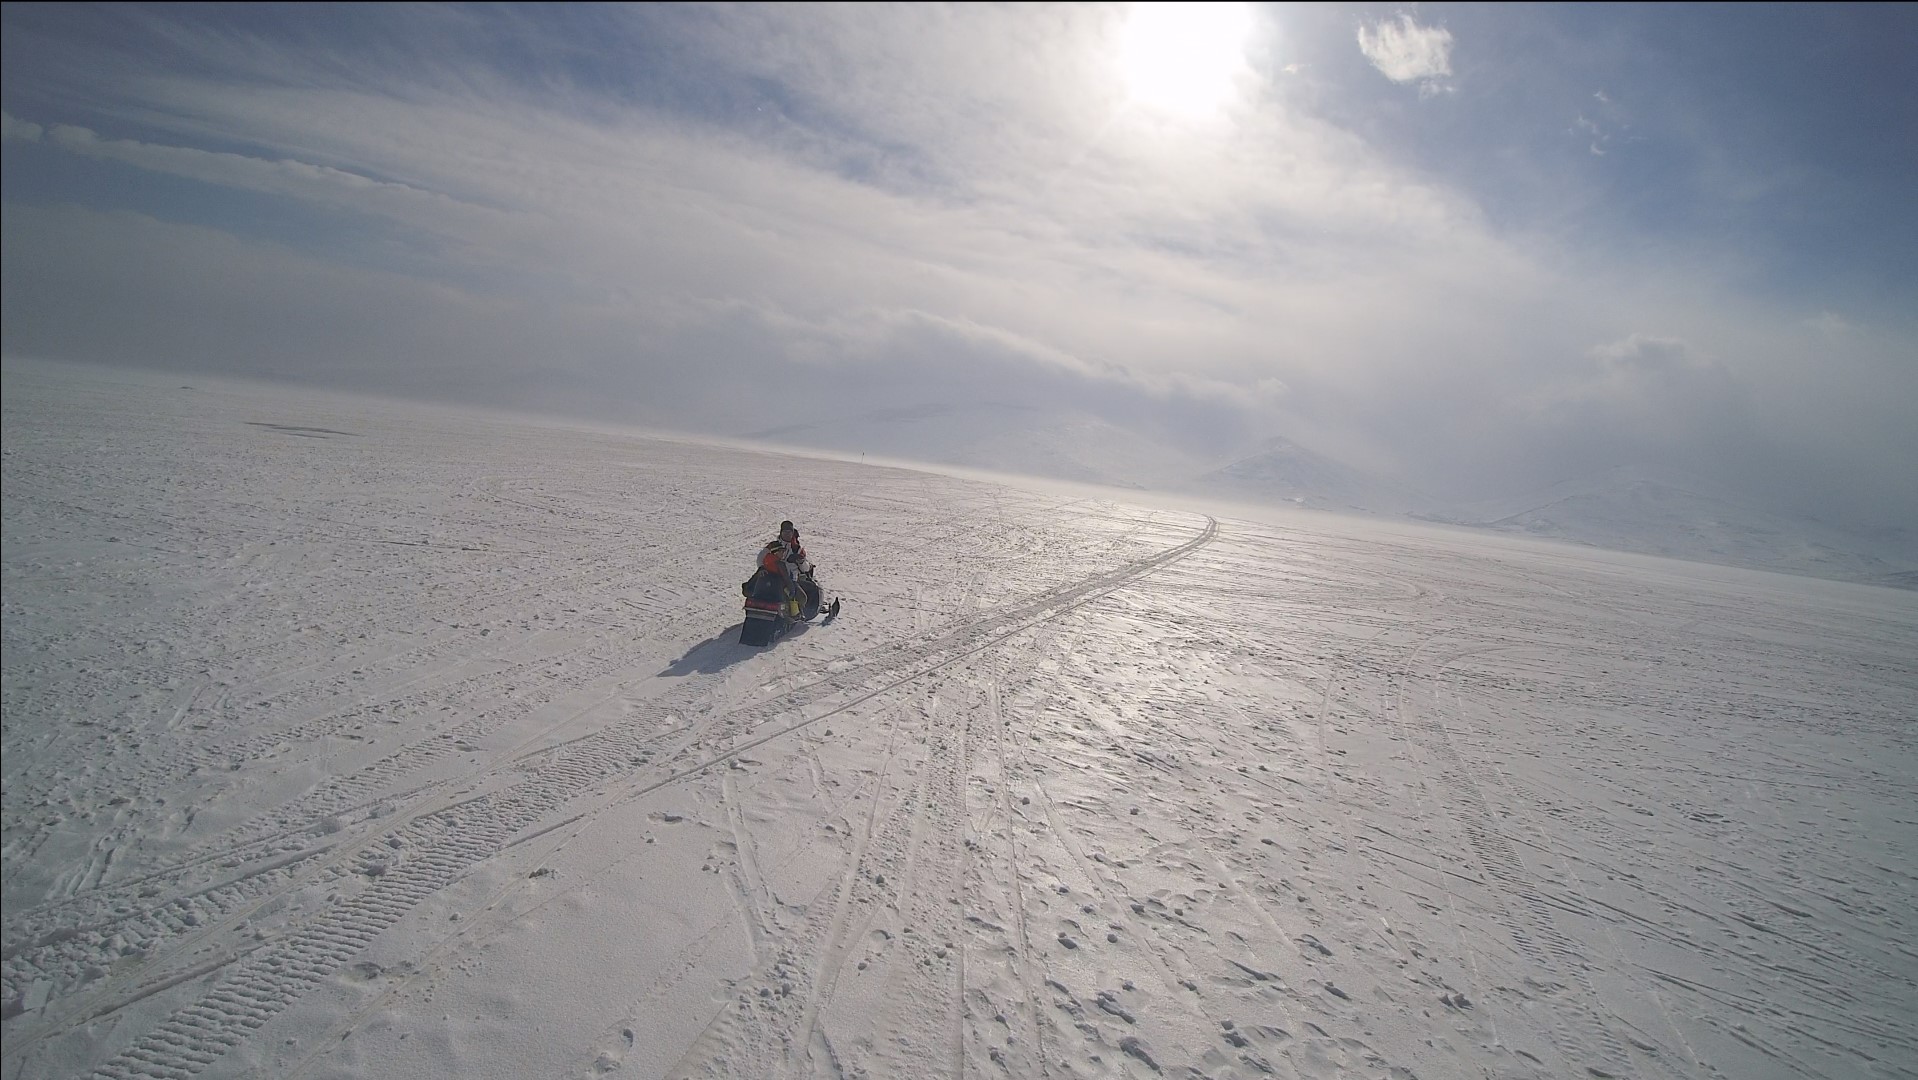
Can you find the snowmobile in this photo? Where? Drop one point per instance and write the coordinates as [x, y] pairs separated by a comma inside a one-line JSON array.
[[770, 614]]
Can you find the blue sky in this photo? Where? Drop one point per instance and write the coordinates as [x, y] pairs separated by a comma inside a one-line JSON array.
[[1479, 248]]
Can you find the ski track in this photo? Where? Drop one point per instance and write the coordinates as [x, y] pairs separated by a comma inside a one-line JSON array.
[[358, 697]]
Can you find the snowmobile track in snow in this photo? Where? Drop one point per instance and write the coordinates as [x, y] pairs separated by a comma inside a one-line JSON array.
[[433, 844], [425, 753]]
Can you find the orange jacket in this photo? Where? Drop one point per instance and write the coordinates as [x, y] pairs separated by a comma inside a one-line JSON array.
[[772, 559]]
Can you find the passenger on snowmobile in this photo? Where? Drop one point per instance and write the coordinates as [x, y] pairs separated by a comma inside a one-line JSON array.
[[775, 574], [783, 561]]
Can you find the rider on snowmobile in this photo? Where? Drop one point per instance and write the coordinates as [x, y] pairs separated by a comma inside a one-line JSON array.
[[783, 560], [795, 555]]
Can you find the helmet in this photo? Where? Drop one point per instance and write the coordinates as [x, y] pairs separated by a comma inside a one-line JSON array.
[[787, 527]]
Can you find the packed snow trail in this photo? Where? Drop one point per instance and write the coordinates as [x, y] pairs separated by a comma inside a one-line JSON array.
[[349, 738]]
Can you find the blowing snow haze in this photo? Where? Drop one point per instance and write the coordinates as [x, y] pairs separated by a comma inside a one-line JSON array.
[[1465, 252]]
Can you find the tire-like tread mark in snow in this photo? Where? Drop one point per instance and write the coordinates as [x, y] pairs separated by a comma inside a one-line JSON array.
[[435, 848]]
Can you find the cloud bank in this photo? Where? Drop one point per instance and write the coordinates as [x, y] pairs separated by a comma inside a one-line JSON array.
[[689, 216]]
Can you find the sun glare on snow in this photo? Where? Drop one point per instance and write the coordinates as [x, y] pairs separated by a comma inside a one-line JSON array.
[[1183, 58]]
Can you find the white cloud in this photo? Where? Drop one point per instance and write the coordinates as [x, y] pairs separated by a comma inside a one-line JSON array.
[[897, 210], [1404, 52], [1587, 128], [285, 177], [1644, 353], [1831, 324], [1157, 258], [12, 127], [1645, 397]]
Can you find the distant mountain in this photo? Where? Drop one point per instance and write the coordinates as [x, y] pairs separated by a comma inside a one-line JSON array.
[[1058, 444], [1687, 518], [1283, 471]]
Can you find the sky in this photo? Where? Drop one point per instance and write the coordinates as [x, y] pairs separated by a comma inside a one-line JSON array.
[[1474, 248]]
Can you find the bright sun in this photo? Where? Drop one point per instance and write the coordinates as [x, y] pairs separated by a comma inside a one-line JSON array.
[[1183, 58]]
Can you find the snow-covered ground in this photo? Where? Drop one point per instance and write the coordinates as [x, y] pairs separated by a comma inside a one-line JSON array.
[[360, 739]]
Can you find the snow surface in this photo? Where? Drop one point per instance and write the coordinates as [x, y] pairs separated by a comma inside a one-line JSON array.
[[357, 739]]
